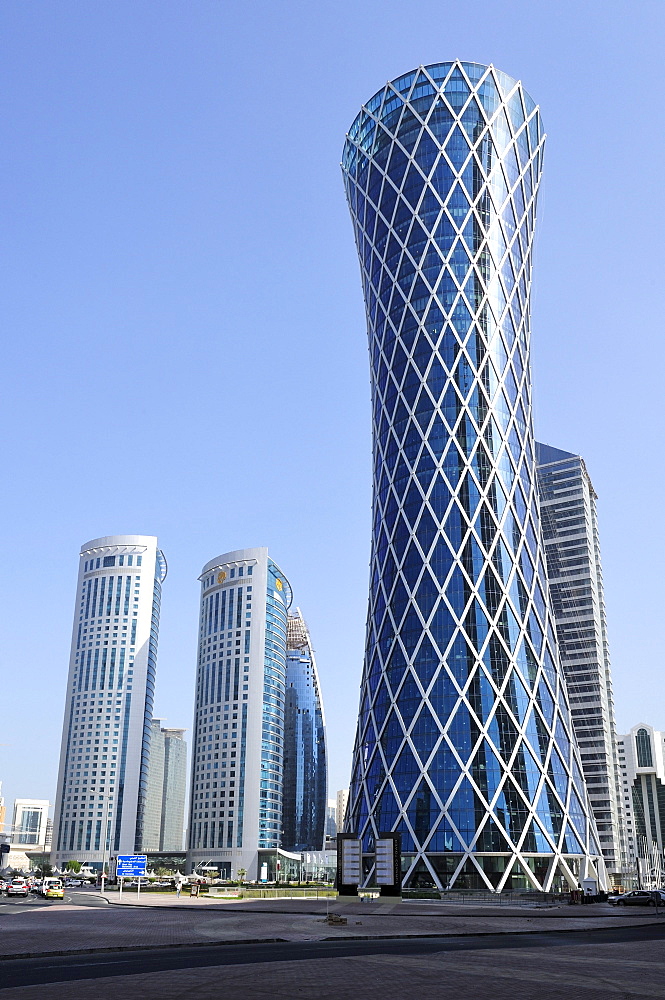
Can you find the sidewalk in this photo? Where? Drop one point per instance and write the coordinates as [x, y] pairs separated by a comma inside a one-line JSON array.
[[167, 922]]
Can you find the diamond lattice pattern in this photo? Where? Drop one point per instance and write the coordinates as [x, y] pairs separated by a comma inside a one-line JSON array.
[[464, 737]]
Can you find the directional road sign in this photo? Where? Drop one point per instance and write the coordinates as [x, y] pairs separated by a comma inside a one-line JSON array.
[[131, 864]]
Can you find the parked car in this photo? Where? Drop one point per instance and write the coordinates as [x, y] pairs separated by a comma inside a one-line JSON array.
[[72, 882], [17, 887], [639, 897]]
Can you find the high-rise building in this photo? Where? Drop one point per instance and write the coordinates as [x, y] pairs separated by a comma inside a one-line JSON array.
[[167, 782], [238, 745], [105, 751], [642, 765], [2, 813], [572, 547], [342, 800], [305, 759], [331, 818], [464, 742], [30, 822]]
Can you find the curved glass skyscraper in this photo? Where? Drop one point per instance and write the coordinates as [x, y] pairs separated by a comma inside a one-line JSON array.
[[305, 767], [464, 740]]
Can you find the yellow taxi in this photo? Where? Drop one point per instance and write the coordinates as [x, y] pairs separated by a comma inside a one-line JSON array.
[[52, 888]]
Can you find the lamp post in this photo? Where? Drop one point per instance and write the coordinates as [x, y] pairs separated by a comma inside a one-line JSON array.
[[106, 843]]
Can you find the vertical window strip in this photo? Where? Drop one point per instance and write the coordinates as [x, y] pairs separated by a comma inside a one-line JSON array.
[[93, 686], [102, 678], [88, 596], [128, 591], [109, 597], [118, 593], [132, 640], [102, 588], [121, 668], [227, 686], [216, 620], [239, 609], [112, 668], [236, 677], [87, 670], [230, 621]]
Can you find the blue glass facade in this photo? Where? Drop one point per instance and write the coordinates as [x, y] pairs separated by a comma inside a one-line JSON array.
[[278, 599], [305, 760], [464, 741]]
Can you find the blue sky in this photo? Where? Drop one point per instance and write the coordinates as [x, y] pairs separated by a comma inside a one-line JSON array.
[[184, 341]]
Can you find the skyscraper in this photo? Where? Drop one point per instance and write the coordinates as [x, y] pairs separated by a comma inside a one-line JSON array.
[[238, 746], [305, 758], [167, 782], [102, 780], [30, 823], [572, 546], [642, 764], [464, 742]]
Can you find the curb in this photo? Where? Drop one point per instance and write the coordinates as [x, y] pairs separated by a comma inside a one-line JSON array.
[[341, 937], [222, 908]]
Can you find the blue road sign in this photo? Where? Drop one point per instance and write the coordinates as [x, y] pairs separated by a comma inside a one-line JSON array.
[[131, 864]]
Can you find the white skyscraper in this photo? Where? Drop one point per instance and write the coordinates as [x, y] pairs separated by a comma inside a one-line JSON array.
[[29, 823], [164, 817], [238, 743], [572, 547], [642, 763], [104, 757]]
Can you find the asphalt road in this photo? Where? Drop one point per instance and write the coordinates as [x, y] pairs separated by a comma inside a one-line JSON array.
[[69, 968], [75, 898]]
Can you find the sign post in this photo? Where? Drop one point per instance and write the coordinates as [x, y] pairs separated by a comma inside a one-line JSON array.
[[131, 864], [388, 868], [349, 864]]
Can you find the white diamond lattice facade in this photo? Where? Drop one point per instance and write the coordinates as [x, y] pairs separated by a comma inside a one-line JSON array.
[[464, 742]]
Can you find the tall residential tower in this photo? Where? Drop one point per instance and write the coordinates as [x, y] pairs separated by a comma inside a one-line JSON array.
[[167, 783], [305, 760], [572, 546], [105, 752], [238, 745], [464, 742]]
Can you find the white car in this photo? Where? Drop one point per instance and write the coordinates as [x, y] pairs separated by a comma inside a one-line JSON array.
[[17, 887]]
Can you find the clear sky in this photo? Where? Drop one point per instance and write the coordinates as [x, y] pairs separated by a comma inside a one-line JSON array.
[[184, 348]]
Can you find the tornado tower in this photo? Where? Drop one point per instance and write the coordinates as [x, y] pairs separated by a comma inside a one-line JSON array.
[[464, 742]]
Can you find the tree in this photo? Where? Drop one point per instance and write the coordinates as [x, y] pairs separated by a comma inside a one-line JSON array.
[[73, 866], [241, 874]]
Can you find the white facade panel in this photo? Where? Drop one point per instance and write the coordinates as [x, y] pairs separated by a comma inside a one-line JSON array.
[[102, 779]]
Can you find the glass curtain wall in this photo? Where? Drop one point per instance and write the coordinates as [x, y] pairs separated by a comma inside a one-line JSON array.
[[464, 742], [305, 765]]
